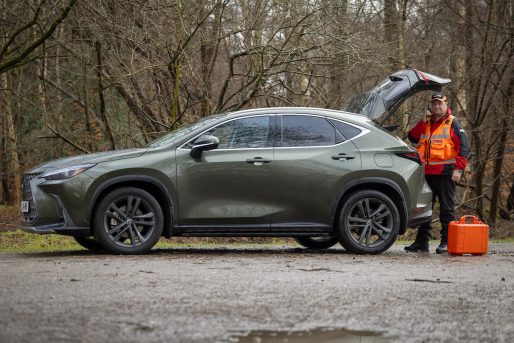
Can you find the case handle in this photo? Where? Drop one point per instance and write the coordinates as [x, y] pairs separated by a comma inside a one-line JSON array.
[[469, 219]]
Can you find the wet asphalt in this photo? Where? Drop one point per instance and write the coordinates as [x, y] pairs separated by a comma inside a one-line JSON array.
[[220, 294]]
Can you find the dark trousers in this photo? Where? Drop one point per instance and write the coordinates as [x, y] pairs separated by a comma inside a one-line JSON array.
[[443, 189]]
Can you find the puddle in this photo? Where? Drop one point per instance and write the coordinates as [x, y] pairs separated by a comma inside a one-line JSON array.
[[321, 335]]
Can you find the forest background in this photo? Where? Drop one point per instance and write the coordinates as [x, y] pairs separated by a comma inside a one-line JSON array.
[[88, 76]]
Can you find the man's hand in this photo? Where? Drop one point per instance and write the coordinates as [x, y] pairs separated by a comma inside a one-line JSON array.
[[456, 175], [426, 116]]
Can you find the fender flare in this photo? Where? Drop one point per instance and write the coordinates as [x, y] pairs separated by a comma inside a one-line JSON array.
[[139, 178], [367, 180]]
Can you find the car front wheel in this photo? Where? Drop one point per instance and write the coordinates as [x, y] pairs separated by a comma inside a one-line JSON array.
[[128, 221], [369, 222], [321, 242]]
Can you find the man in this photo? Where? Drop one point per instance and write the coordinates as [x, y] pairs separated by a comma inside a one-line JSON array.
[[443, 145]]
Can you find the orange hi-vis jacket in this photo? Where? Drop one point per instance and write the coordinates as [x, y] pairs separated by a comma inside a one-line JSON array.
[[438, 147]]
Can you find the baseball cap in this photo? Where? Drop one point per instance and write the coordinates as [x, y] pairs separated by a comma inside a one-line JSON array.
[[438, 97]]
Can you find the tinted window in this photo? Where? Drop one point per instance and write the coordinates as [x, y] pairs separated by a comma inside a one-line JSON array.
[[346, 130], [306, 131], [249, 133]]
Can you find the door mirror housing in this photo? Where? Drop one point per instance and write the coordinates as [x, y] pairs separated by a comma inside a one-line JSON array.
[[204, 143]]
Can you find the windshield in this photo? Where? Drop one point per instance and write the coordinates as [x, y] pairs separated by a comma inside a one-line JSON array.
[[182, 131]]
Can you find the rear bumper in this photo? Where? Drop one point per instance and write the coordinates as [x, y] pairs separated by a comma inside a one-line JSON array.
[[420, 215]]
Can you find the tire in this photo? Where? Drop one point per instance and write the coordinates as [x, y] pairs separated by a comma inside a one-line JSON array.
[[90, 243], [369, 222], [320, 242], [128, 221]]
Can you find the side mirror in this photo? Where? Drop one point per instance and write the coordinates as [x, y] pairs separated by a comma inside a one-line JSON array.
[[204, 143]]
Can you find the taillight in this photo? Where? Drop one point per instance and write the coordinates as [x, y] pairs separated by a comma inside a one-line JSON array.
[[413, 156]]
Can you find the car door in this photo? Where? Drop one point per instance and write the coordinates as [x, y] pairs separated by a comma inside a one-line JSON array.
[[228, 188], [312, 162]]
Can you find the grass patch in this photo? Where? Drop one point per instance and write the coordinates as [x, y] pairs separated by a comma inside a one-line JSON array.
[[22, 242]]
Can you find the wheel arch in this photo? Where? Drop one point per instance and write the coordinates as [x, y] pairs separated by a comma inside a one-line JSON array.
[[384, 185], [150, 184]]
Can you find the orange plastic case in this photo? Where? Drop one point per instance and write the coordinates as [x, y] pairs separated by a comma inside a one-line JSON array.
[[468, 236]]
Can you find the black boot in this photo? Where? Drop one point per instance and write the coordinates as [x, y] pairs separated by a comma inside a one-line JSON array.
[[421, 242], [443, 247], [417, 247]]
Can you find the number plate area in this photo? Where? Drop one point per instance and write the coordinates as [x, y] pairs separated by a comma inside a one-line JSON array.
[[24, 206]]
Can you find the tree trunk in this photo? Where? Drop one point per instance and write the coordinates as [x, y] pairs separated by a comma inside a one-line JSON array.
[[498, 164], [339, 12], [41, 84], [458, 67], [510, 199], [107, 128], [208, 53], [479, 172], [391, 32], [14, 168], [502, 142], [89, 130]]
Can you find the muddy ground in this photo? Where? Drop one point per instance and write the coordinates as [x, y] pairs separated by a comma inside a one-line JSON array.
[[220, 294]]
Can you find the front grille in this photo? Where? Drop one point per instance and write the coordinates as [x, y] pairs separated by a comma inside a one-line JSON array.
[[26, 194]]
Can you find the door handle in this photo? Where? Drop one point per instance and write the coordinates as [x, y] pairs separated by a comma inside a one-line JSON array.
[[342, 156], [258, 161]]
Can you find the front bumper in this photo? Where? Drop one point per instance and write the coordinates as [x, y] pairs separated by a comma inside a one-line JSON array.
[[56, 206], [58, 228]]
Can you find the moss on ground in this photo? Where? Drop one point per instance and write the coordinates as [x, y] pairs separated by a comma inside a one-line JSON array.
[[22, 242]]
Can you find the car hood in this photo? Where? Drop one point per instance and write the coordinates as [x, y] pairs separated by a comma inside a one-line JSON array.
[[87, 158], [379, 103]]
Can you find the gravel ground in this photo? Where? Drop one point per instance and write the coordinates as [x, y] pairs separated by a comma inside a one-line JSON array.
[[211, 294]]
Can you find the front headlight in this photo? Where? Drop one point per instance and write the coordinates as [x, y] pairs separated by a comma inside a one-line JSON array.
[[66, 173]]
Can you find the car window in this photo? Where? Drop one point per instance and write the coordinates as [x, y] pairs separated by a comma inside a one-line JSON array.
[[348, 131], [300, 130], [179, 133], [244, 133]]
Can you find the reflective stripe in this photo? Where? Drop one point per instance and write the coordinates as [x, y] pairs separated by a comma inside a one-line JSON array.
[[443, 135], [443, 162]]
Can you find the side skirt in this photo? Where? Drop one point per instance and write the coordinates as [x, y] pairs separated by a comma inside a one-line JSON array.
[[255, 230]]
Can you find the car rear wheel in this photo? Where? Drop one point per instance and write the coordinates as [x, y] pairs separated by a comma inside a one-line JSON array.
[[369, 222], [321, 242], [128, 221], [90, 243]]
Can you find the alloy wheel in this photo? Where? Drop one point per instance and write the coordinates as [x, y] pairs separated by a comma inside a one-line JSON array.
[[129, 221], [370, 222]]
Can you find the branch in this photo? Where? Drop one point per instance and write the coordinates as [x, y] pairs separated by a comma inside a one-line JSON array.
[[21, 29], [12, 63], [67, 140]]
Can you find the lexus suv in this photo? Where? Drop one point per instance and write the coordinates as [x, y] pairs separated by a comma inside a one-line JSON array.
[[321, 176]]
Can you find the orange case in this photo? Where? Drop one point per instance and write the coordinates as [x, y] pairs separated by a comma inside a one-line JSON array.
[[468, 236]]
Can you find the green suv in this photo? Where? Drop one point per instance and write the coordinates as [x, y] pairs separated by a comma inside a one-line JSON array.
[[319, 175]]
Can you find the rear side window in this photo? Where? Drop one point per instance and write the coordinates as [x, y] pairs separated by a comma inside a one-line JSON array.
[[346, 130], [300, 130]]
